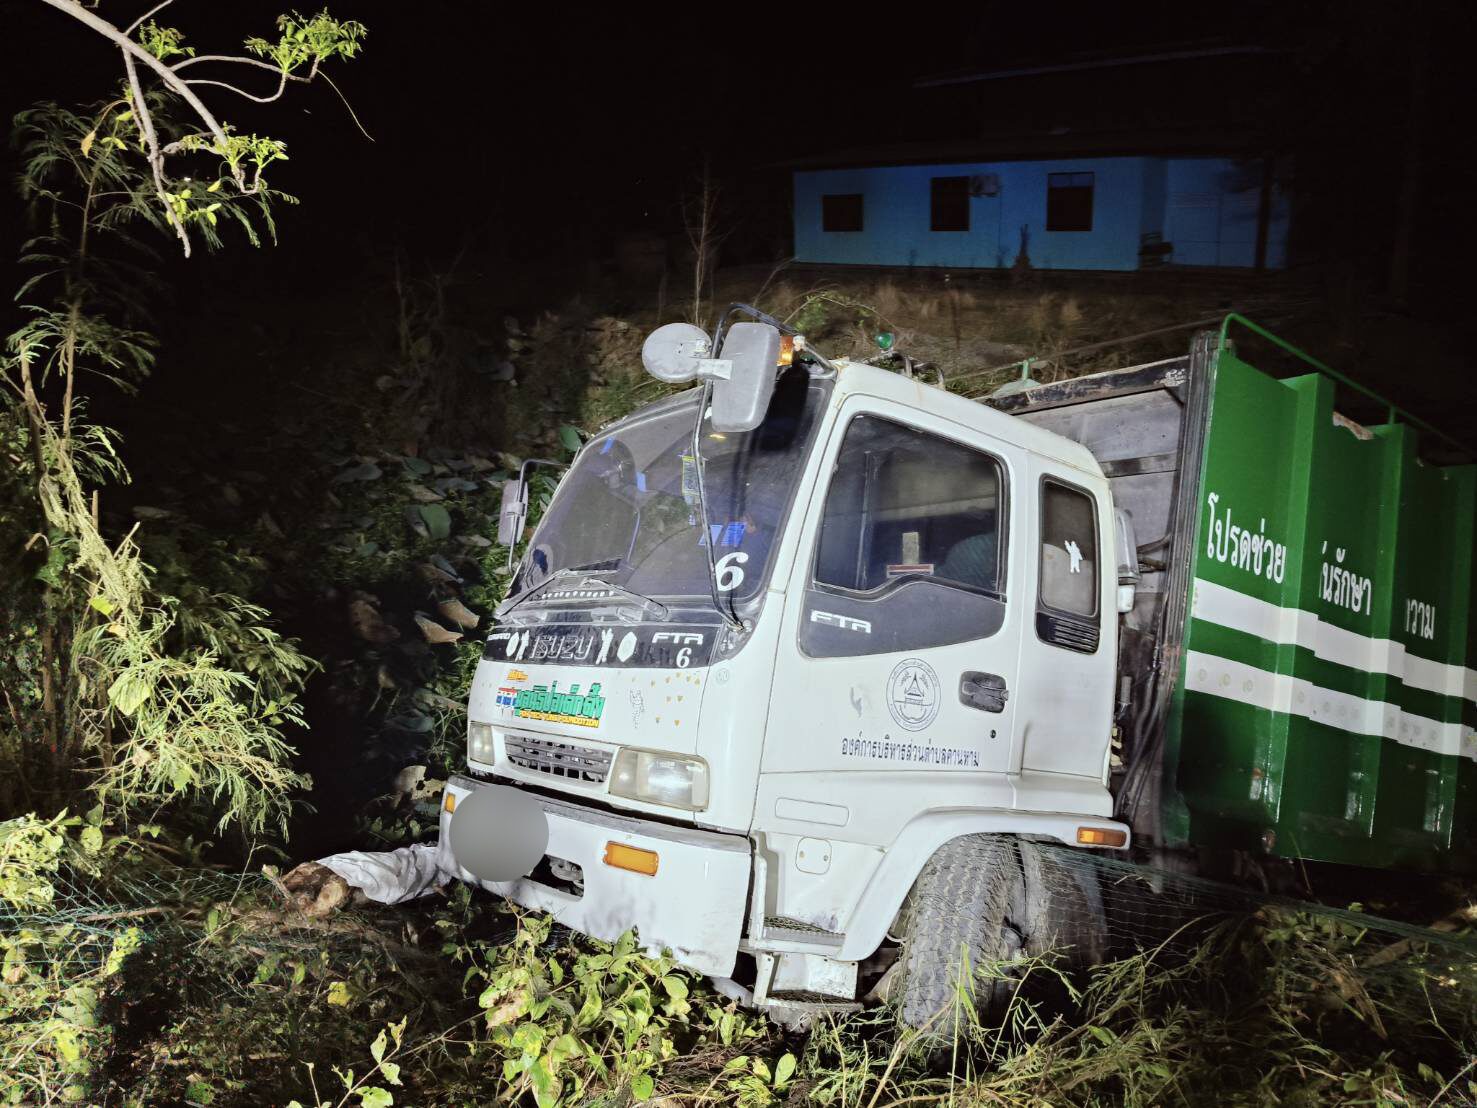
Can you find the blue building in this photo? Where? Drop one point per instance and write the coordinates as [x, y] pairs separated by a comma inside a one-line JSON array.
[[1109, 209]]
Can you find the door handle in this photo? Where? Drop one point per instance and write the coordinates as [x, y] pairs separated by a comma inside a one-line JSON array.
[[985, 691]]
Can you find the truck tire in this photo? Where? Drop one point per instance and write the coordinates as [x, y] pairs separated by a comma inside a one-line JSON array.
[[1064, 906], [963, 910]]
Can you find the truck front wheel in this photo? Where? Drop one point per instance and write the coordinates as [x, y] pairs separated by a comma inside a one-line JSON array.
[[963, 915]]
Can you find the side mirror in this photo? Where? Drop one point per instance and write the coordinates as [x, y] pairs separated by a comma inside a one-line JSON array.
[[1127, 548], [743, 377], [742, 373], [514, 512], [512, 517]]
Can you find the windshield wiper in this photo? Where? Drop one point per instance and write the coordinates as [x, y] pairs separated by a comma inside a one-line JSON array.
[[645, 603], [527, 594], [586, 573]]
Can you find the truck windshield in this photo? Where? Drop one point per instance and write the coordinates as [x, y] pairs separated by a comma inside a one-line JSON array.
[[627, 511]]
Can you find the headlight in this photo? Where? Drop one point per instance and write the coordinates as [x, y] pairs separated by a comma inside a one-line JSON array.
[[479, 743], [657, 778]]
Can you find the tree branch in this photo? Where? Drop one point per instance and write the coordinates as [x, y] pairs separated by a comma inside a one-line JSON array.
[[156, 157], [245, 156], [283, 75], [133, 49], [348, 107], [198, 58], [240, 91], [155, 10]]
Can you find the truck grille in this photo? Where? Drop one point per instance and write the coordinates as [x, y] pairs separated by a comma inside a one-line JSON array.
[[574, 763]]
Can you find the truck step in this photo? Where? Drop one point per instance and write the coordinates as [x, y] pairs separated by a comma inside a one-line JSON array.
[[784, 929]]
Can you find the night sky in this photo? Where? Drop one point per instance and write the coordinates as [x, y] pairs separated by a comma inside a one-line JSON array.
[[534, 130]]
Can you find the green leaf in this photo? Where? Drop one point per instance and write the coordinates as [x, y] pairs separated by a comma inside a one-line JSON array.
[[92, 839], [590, 1010], [391, 1070], [365, 471], [545, 1089], [437, 520], [67, 1044], [200, 1093], [338, 993], [372, 1096], [676, 987], [129, 691], [783, 1069], [377, 1048], [570, 438], [642, 1086], [103, 605], [266, 968]]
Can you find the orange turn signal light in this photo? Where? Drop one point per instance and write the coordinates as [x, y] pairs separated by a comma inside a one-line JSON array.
[[631, 858], [1101, 836], [787, 349], [450, 802]]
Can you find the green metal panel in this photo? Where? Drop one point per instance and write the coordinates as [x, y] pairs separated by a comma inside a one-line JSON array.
[[1324, 707]]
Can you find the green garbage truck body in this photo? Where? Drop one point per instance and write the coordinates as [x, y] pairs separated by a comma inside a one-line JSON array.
[[1298, 674]]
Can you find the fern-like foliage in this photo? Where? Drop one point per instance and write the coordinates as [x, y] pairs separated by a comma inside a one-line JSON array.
[[143, 695]]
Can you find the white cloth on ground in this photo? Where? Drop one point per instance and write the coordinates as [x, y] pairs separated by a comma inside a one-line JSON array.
[[394, 876]]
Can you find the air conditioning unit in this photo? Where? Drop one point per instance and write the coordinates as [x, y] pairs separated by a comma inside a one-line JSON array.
[[984, 184]]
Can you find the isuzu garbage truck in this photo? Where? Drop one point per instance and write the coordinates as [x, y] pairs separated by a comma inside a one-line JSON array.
[[808, 667]]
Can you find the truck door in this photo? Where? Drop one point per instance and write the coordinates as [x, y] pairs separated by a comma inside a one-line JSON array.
[[896, 667], [1068, 645]]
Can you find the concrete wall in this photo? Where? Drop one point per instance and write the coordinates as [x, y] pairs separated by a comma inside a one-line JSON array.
[[1194, 199]]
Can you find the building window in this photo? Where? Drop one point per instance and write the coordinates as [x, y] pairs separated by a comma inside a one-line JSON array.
[[949, 204], [1069, 201], [841, 212]]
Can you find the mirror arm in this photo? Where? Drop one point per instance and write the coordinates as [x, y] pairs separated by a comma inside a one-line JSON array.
[[753, 313]]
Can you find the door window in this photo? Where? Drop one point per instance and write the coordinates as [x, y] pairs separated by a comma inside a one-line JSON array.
[[911, 548], [1069, 588]]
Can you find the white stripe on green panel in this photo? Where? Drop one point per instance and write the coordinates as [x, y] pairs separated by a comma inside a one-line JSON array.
[[1294, 627], [1278, 692]]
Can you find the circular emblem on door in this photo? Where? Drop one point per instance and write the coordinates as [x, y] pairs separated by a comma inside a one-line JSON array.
[[913, 694]]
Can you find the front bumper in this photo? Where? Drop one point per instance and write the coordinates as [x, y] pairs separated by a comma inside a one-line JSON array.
[[693, 905]]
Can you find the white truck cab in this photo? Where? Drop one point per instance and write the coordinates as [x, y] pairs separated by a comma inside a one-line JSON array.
[[759, 680]]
